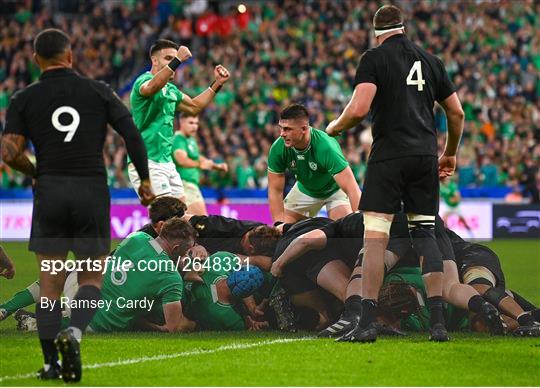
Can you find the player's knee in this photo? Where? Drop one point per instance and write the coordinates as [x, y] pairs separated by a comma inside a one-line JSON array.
[[373, 223]]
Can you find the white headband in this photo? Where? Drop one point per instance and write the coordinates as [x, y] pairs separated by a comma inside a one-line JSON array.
[[392, 28]]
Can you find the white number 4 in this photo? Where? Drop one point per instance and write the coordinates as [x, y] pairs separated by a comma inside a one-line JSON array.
[[69, 128], [419, 82]]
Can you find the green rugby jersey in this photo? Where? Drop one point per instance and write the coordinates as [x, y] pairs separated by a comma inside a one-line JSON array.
[[209, 313], [162, 286], [313, 167], [190, 146], [154, 116], [448, 191]]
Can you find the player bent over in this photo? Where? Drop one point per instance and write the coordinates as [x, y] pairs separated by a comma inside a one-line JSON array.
[[65, 116], [323, 175], [154, 103]]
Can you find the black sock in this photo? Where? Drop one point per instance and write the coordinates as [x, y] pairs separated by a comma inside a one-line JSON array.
[[475, 304], [81, 317], [353, 305], [435, 310], [48, 322], [525, 319], [369, 307]]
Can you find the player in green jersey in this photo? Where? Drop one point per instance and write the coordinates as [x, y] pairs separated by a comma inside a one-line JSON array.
[[211, 302], [142, 276], [323, 175], [189, 163], [451, 196], [154, 103]]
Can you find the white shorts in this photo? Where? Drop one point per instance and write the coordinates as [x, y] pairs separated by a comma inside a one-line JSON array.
[[193, 193], [300, 203], [164, 179]]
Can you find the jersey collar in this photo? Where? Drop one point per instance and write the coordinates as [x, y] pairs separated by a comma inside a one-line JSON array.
[[56, 73], [395, 37]]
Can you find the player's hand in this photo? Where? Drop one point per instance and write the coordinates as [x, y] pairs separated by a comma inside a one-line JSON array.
[[206, 164], [222, 74], [447, 166], [7, 268], [145, 193], [198, 252], [221, 167], [277, 269], [183, 53], [331, 129], [253, 325]]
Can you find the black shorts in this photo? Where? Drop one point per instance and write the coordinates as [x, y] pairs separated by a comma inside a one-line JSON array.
[[301, 275], [71, 214], [412, 179], [481, 256]]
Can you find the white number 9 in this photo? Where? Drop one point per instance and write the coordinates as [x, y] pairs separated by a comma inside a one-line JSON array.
[[70, 128]]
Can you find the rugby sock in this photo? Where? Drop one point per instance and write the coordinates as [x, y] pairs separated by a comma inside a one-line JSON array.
[[436, 311], [20, 300], [48, 324], [369, 307], [475, 304], [353, 305], [81, 316], [525, 319]]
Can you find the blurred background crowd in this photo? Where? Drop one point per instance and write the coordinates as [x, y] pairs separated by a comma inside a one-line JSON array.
[[308, 51]]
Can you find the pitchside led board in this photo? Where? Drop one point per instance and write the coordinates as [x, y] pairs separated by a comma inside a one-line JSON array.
[[484, 219]]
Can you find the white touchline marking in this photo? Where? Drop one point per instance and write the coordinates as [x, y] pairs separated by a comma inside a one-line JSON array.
[[194, 352]]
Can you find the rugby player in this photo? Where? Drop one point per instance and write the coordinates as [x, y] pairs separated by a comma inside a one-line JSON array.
[[65, 116], [189, 163], [452, 198], [398, 82], [211, 302], [323, 175], [481, 268], [154, 103], [7, 268]]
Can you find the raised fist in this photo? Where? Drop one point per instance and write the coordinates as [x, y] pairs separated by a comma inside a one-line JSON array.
[[222, 74], [183, 53]]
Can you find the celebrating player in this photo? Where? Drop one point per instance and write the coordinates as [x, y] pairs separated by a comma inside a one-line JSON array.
[[66, 116], [154, 102], [399, 83], [189, 163], [323, 175]]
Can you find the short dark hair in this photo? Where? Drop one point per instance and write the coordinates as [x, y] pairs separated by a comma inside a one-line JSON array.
[[264, 239], [178, 230], [387, 15], [160, 44], [294, 111], [50, 43], [163, 208]]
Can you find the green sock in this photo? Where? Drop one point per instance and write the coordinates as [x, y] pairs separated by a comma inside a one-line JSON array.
[[21, 299]]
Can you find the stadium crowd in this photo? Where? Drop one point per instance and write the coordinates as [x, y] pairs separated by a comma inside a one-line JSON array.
[[287, 51]]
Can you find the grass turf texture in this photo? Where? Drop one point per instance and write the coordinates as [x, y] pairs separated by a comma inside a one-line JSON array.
[[266, 359]]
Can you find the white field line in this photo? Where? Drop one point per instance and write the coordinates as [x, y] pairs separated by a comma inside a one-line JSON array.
[[160, 357]]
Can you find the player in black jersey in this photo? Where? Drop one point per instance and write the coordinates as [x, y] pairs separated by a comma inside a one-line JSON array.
[[65, 116], [398, 83], [481, 268]]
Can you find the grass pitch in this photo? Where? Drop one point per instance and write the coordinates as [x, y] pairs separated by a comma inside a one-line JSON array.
[[272, 358]]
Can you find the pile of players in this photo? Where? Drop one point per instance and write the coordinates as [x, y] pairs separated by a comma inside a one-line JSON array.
[[316, 265]]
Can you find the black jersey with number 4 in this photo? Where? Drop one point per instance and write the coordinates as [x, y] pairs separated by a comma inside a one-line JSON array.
[[409, 80], [65, 116]]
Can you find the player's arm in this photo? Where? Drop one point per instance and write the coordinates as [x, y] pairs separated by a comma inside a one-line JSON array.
[[263, 262], [456, 119], [276, 185], [211, 165], [314, 240], [12, 152], [184, 160], [175, 321], [158, 81], [346, 181], [355, 111], [195, 106]]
